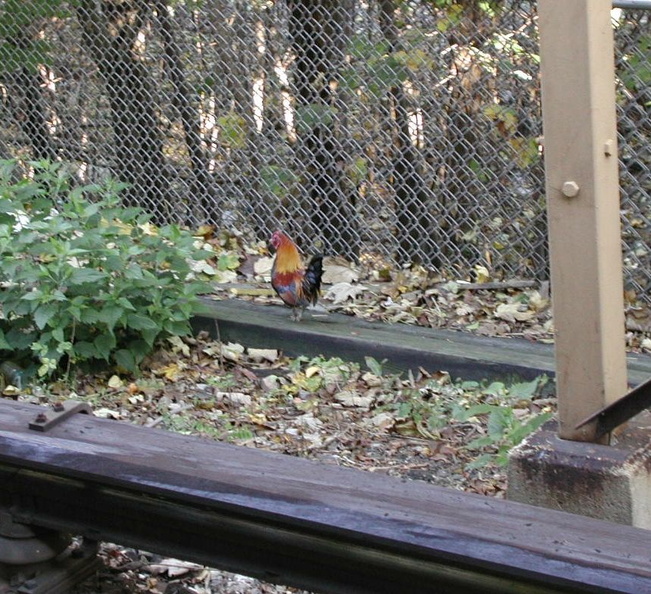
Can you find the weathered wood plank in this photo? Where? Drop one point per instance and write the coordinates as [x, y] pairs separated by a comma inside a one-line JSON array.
[[582, 188], [406, 347], [314, 509]]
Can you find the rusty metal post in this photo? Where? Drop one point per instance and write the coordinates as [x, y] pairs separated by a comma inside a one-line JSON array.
[[578, 93]]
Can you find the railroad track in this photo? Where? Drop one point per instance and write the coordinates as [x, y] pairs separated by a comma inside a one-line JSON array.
[[293, 521]]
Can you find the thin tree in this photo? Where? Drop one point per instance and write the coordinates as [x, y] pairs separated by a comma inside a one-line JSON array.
[[414, 232], [185, 103], [21, 28], [318, 31], [110, 32]]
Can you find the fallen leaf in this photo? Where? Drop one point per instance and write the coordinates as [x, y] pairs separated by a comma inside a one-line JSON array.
[[260, 355], [237, 398], [171, 372], [537, 302], [482, 274], [309, 421], [232, 351], [178, 346], [352, 398], [224, 276], [106, 413], [335, 273], [174, 567], [513, 312], [371, 380], [343, 291], [202, 267], [383, 421], [263, 266], [115, 382], [270, 383], [312, 370]]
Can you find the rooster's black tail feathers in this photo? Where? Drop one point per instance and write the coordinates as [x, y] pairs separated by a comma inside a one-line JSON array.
[[312, 278]]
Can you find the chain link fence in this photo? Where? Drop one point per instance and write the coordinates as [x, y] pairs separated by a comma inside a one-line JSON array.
[[408, 131]]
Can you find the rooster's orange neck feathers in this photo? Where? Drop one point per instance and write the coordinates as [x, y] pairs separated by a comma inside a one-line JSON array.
[[287, 257]]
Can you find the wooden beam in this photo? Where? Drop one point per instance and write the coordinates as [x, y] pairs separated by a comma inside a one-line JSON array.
[[299, 522], [578, 98]]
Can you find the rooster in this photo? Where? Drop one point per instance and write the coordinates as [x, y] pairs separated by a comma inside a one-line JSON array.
[[295, 284]]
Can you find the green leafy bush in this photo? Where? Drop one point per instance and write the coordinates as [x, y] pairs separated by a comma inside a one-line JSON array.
[[82, 278]]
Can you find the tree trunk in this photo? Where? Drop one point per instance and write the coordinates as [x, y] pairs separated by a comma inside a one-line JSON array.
[[110, 31], [318, 33], [417, 239], [25, 86], [202, 183], [31, 113], [464, 133]]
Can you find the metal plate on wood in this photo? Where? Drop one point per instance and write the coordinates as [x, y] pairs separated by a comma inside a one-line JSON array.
[[59, 412]]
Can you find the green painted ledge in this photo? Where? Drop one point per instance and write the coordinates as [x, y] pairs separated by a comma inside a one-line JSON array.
[[404, 347]]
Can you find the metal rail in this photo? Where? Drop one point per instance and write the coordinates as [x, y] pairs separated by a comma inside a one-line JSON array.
[[632, 4], [297, 522], [619, 412]]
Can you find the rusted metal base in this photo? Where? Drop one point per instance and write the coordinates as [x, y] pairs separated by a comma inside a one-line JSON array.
[[21, 544], [37, 560], [606, 482], [58, 575]]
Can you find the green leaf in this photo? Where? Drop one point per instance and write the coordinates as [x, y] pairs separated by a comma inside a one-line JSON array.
[[278, 180], [139, 349], [140, 322], [314, 115], [110, 315], [150, 336], [177, 327], [58, 334], [124, 358], [44, 314], [20, 339], [525, 390], [82, 276], [86, 350], [495, 389], [499, 421], [519, 433], [473, 411], [104, 345], [228, 261], [126, 304], [233, 130], [374, 365], [89, 316], [4, 345], [33, 295]]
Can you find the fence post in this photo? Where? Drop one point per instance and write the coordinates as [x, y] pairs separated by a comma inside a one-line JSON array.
[[582, 185]]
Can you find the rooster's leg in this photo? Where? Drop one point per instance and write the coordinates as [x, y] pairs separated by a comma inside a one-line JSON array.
[[297, 314]]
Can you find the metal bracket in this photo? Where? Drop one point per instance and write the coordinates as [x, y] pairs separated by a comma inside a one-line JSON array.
[[60, 411], [612, 416]]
